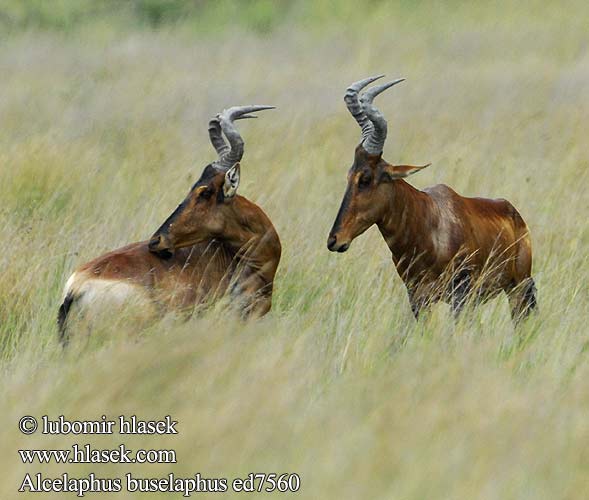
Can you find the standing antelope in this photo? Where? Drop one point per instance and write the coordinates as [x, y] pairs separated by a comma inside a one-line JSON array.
[[443, 245], [215, 241]]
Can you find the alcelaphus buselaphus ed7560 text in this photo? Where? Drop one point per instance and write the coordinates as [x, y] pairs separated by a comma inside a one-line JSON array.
[[215, 243], [445, 246]]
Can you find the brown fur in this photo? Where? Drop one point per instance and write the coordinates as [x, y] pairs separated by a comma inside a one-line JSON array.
[[206, 248], [188, 277], [437, 236], [240, 225]]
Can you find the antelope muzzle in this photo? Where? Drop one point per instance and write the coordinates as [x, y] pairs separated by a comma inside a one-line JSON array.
[[337, 245], [160, 245]]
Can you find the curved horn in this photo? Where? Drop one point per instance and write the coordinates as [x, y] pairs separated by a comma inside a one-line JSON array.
[[373, 143], [354, 107], [230, 154], [216, 136]]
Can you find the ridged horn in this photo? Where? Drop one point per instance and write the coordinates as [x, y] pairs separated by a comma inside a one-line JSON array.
[[230, 154], [354, 106], [370, 119], [374, 143]]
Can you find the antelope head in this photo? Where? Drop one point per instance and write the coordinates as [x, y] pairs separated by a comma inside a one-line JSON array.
[[208, 208], [370, 176]]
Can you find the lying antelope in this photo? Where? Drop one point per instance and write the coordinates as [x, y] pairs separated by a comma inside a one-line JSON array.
[[444, 246], [214, 242]]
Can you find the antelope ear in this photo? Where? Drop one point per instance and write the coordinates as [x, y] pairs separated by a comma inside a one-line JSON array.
[[231, 181], [392, 172]]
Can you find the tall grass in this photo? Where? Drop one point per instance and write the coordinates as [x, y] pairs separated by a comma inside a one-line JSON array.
[[101, 138]]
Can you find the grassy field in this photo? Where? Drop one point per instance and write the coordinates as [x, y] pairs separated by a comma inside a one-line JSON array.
[[103, 131]]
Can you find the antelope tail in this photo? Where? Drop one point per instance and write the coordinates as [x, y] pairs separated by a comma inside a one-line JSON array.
[[62, 315]]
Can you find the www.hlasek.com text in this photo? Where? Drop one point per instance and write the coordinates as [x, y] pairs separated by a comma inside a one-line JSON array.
[[87, 455]]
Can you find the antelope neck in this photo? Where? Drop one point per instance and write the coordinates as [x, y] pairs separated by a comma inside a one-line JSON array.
[[400, 223]]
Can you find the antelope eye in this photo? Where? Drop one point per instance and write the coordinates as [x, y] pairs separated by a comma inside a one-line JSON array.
[[206, 194], [364, 181]]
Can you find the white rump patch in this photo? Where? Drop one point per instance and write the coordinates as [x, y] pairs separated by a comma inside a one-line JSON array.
[[116, 292], [69, 285], [110, 299]]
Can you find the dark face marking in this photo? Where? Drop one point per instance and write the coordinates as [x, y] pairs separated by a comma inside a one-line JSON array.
[[196, 219], [358, 210]]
